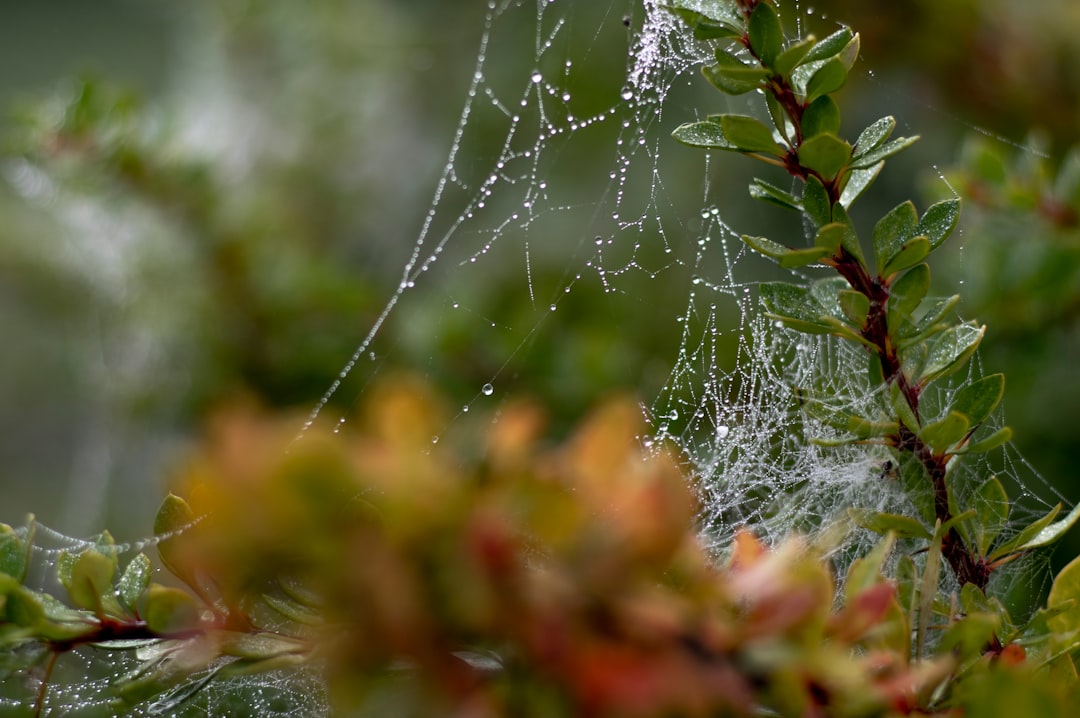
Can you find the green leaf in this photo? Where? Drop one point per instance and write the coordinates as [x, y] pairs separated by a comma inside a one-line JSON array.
[[821, 116], [911, 253], [174, 516], [866, 571], [1053, 532], [825, 153], [259, 646], [170, 610], [931, 321], [967, 637], [831, 237], [874, 136], [928, 589], [857, 182], [134, 581], [760, 189], [1065, 594], [12, 553], [883, 523], [294, 611], [815, 202], [786, 256], [855, 305], [794, 306], [829, 78], [706, 134], [779, 117], [991, 442], [907, 292], [793, 56], [747, 134], [705, 27], [883, 152], [766, 35], [939, 221], [942, 434], [850, 242], [991, 513], [979, 398], [733, 76], [950, 350], [903, 410], [830, 46], [90, 579], [892, 231], [1020, 542]]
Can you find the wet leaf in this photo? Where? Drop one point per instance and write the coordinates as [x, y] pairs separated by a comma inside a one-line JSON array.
[[911, 253], [883, 152], [134, 581], [785, 256], [706, 134], [858, 181], [874, 136], [855, 306], [825, 154], [978, 399], [829, 78], [793, 56], [794, 306], [942, 434], [891, 232], [762, 190], [950, 350], [1001, 436], [884, 523], [747, 134], [12, 553], [931, 321], [1022, 540], [90, 579], [938, 221], [732, 76], [821, 116], [766, 35], [831, 237], [830, 46], [815, 202], [991, 513], [174, 516], [1065, 593], [705, 27], [170, 610], [906, 293]]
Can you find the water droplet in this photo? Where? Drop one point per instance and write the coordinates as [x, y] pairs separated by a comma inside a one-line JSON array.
[[552, 307], [627, 93], [722, 432], [487, 390], [537, 77], [435, 439]]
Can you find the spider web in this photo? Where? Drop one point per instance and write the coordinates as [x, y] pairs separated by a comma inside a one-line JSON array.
[[646, 214]]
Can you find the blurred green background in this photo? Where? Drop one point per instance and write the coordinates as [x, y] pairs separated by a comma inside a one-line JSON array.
[[215, 200]]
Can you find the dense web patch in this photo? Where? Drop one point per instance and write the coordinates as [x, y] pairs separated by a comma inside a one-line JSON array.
[[737, 428]]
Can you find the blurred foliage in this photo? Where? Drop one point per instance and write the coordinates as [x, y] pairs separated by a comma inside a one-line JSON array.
[[530, 579]]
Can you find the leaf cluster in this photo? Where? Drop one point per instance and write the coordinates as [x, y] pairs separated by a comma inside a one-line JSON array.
[[533, 581], [880, 301]]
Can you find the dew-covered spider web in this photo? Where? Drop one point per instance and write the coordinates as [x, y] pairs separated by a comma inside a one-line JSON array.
[[641, 223]]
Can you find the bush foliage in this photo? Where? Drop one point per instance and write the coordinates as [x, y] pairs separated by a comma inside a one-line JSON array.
[[522, 578]]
